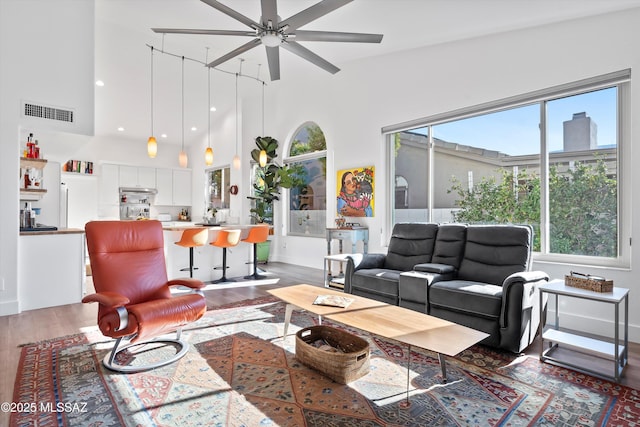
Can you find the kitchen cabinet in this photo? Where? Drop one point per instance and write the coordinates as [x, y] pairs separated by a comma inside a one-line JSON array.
[[108, 185], [181, 187], [174, 187], [133, 176], [164, 185], [51, 268]]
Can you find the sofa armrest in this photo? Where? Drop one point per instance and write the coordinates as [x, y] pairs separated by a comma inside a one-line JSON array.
[[431, 267], [357, 262], [525, 277], [364, 261], [520, 314]]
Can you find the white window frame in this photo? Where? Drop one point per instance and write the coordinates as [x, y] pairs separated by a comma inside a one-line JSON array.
[[621, 80], [286, 194]]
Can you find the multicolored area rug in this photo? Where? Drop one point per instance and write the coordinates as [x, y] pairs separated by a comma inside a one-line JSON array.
[[240, 372]]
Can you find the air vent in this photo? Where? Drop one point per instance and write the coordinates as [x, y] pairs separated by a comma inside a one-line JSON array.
[[47, 112]]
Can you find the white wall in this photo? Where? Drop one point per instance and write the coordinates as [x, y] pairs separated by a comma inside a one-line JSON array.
[[47, 57], [352, 106]]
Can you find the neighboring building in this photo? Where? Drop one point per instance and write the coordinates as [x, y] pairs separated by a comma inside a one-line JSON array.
[[470, 164]]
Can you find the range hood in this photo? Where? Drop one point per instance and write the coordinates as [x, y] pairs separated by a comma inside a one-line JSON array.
[[137, 190]]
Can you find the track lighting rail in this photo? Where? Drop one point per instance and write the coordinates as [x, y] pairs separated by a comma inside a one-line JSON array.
[[205, 64]]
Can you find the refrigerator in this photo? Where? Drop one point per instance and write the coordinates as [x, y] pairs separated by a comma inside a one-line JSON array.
[[71, 199], [78, 200]]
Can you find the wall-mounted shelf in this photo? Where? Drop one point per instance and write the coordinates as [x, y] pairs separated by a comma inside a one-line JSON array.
[[32, 163], [32, 194]]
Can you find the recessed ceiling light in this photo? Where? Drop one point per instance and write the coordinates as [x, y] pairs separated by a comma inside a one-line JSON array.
[[99, 83], [213, 108], [164, 135], [193, 128], [120, 129]]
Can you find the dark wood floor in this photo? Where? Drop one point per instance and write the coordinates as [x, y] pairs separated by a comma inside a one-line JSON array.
[[36, 325]]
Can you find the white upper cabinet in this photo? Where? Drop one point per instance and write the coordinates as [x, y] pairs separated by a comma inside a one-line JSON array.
[[108, 185], [147, 177], [164, 185], [133, 176], [181, 187], [128, 176]]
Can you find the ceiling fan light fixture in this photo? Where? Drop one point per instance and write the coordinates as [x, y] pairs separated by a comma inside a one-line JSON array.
[[271, 38]]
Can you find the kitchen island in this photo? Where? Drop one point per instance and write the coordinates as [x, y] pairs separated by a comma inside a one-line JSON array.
[[207, 257], [51, 268]]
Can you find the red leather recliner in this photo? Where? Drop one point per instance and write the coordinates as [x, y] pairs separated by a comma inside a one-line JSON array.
[[130, 279]]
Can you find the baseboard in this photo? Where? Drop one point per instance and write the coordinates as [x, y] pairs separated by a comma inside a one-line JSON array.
[[9, 307]]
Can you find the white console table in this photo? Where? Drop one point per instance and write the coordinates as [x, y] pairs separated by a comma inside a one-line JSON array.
[[354, 234], [616, 350]]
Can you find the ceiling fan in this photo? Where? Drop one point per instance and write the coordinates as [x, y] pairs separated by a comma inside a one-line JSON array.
[[274, 33]]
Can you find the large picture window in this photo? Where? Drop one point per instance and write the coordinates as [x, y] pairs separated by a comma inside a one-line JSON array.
[[550, 159], [308, 198]]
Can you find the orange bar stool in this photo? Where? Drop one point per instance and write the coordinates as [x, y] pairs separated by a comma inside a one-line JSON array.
[[226, 239], [257, 234], [192, 237]]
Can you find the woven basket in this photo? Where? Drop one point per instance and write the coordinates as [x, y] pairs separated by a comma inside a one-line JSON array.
[[589, 284], [342, 367]]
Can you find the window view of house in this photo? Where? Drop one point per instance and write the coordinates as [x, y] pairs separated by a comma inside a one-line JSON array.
[[489, 168], [307, 199]]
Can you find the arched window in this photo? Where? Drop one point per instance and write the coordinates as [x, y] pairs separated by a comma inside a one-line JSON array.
[[308, 198]]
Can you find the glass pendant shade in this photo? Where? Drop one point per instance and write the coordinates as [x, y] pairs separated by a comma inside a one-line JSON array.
[[263, 158], [182, 159], [208, 156], [236, 162], [152, 147]]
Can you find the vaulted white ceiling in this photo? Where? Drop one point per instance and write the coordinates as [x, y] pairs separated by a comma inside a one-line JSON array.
[[123, 34]]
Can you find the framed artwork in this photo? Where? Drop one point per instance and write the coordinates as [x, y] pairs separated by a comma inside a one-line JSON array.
[[355, 190]]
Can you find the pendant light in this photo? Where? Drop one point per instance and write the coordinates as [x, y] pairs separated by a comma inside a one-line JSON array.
[[236, 158], [208, 153], [262, 160], [182, 158], [152, 145]]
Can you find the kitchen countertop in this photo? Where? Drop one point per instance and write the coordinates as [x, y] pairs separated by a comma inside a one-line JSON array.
[[209, 226], [58, 231]]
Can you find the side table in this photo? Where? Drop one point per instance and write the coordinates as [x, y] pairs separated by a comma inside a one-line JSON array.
[[353, 234], [616, 351], [329, 278]]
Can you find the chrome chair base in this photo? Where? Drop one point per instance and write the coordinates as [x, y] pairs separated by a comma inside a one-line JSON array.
[[110, 362]]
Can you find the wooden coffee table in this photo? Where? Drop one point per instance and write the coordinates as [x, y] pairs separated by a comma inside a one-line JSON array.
[[388, 321]]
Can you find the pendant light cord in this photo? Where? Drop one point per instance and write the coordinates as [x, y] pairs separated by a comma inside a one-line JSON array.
[[151, 90], [209, 101], [237, 112], [183, 103]]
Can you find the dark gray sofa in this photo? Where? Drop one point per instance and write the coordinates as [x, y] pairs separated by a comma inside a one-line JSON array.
[[474, 275]]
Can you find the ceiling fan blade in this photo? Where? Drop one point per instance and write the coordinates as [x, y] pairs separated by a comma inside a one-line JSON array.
[[270, 12], [245, 47], [305, 53], [329, 36], [232, 13], [312, 13], [273, 59], [205, 32]]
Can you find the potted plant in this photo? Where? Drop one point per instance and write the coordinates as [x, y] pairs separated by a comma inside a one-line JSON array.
[[268, 181]]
